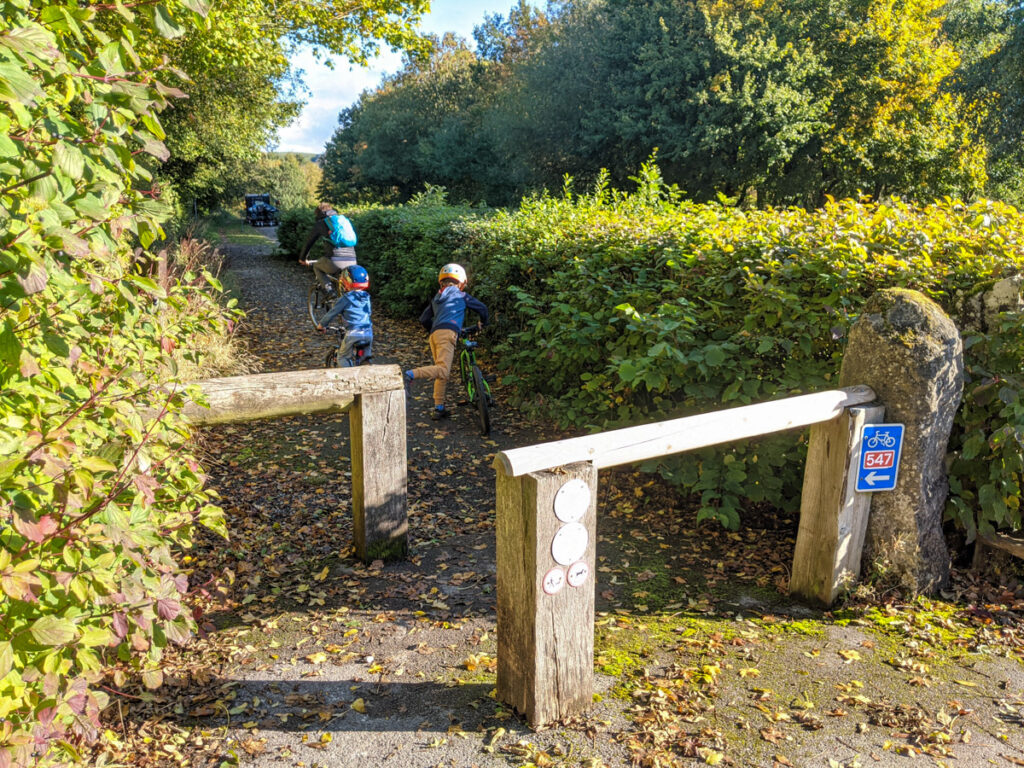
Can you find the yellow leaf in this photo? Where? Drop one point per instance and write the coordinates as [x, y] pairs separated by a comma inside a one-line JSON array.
[[359, 706], [711, 756], [850, 656], [323, 574], [317, 658], [968, 683], [749, 672], [326, 738]]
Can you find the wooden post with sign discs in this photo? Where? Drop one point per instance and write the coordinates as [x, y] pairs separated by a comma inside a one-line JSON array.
[[546, 530]]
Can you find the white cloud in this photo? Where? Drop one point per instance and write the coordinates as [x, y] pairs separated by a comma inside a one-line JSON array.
[[332, 90]]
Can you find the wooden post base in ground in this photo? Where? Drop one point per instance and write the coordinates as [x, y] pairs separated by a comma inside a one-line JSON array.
[[546, 590], [379, 520], [833, 516]]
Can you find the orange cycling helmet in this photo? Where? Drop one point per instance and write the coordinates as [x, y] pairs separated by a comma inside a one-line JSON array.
[[452, 272]]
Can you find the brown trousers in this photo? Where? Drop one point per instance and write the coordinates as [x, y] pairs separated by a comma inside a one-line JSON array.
[[442, 347]]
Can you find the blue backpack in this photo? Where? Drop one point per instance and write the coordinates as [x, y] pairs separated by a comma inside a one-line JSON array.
[[340, 231]]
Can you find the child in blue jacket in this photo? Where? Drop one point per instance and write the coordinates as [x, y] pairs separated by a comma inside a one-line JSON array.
[[354, 310], [443, 319]]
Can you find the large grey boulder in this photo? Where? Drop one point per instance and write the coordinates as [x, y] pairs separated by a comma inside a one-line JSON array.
[[909, 351]]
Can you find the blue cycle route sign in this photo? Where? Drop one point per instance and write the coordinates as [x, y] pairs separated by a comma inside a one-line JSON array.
[[879, 464]]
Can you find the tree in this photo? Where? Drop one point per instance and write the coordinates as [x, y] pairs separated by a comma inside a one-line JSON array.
[[894, 128], [291, 179], [422, 125], [241, 91], [989, 36]]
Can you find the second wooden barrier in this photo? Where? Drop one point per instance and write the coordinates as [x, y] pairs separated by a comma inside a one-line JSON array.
[[547, 535]]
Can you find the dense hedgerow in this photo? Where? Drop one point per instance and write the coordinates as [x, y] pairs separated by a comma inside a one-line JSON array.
[[402, 246], [619, 309], [292, 229]]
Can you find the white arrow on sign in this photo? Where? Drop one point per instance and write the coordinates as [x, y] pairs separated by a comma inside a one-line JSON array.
[[872, 476]]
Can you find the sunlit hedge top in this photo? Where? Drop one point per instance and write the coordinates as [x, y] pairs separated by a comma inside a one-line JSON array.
[[623, 308]]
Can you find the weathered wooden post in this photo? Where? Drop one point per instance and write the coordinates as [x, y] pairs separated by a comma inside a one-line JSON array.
[[374, 396], [833, 515], [379, 501], [546, 529]]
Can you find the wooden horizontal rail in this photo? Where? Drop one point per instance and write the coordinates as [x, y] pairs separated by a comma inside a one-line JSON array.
[[664, 438], [289, 393]]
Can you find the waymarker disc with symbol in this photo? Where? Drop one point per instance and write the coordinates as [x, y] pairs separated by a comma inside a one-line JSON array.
[[554, 580], [577, 574]]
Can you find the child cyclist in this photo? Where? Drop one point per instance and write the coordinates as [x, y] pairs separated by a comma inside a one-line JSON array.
[[443, 320], [353, 309]]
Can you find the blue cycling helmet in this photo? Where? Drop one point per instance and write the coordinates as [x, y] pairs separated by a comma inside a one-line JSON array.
[[355, 278]]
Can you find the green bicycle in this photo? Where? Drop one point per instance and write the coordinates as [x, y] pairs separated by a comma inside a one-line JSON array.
[[478, 390]]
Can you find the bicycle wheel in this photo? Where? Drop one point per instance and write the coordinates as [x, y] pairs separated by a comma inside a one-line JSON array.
[[480, 396], [331, 361], [316, 302]]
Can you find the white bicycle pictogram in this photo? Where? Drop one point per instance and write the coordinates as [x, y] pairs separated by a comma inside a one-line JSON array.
[[881, 440]]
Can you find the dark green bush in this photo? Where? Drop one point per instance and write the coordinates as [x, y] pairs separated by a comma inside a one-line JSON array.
[[403, 247], [293, 228]]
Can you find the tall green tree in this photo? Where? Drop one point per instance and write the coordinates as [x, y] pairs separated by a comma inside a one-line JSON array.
[[989, 36], [241, 89], [422, 124], [894, 127]]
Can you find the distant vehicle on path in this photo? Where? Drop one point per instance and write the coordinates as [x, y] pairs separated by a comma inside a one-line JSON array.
[[259, 212]]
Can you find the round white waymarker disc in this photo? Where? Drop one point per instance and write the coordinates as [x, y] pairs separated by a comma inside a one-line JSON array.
[[570, 543], [572, 501], [577, 574], [554, 580]]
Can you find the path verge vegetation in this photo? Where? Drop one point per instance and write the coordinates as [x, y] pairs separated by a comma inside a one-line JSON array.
[[98, 485]]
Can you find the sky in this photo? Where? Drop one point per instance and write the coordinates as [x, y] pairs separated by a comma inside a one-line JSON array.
[[333, 90]]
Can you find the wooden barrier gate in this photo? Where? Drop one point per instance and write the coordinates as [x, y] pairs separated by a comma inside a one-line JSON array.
[[374, 396], [546, 532]]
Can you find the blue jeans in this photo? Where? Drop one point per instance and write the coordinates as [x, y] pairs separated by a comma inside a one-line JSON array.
[[348, 344]]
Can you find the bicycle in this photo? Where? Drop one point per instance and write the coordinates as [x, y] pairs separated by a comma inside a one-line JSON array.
[[360, 351], [318, 301], [478, 390], [883, 439]]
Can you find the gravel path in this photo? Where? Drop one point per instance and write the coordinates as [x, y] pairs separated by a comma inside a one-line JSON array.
[[398, 639]]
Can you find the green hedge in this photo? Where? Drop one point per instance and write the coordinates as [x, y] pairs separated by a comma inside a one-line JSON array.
[[293, 229], [618, 309]]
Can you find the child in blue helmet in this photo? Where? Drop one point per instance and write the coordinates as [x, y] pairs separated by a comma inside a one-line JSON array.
[[443, 319], [353, 309]]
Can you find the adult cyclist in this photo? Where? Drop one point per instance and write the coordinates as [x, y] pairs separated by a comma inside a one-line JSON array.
[[340, 240]]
